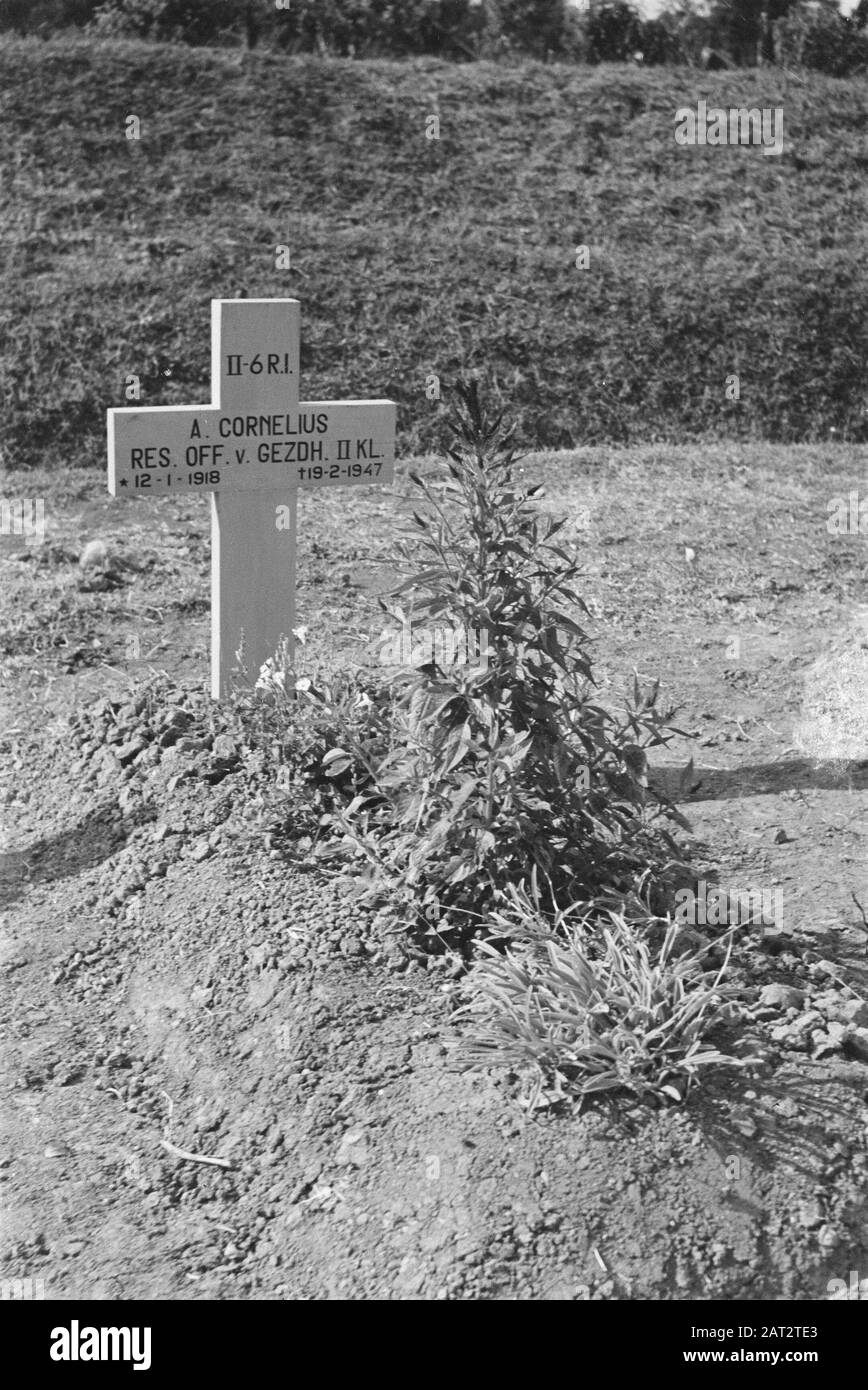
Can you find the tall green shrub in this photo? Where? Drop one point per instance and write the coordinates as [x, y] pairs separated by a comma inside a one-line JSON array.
[[503, 767]]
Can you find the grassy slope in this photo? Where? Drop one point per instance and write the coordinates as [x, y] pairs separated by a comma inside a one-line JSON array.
[[414, 256]]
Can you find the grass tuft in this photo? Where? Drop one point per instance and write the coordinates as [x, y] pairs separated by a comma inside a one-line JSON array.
[[586, 1005]]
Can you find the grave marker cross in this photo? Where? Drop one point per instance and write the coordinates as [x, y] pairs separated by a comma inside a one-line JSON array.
[[252, 448]]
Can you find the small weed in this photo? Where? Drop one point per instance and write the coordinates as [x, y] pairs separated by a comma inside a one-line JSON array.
[[297, 722]]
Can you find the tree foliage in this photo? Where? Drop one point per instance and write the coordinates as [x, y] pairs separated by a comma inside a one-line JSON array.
[[44, 16], [614, 32], [824, 40], [610, 31], [189, 21]]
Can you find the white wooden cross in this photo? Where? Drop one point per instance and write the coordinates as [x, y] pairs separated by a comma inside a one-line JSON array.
[[252, 448]]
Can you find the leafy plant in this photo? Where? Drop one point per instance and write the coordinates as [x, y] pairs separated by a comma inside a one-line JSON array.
[[507, 766], [296, 720]]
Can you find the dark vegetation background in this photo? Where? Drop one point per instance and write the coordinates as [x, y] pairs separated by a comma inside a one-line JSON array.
[[415, 257], [811, 33]]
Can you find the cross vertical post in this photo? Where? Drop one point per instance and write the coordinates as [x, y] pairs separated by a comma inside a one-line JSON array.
[[253, 561], [253, 569]]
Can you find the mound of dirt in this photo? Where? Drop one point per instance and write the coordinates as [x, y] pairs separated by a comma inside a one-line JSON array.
[[224, 1081]]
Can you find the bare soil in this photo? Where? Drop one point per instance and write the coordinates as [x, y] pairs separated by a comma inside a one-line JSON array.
[[173, 974]]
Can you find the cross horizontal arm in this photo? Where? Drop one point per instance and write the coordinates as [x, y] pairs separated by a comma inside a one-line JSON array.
[[160, 450], [146, 446]]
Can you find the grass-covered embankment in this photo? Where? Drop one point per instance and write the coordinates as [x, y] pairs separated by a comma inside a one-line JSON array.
[[415, 256]]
